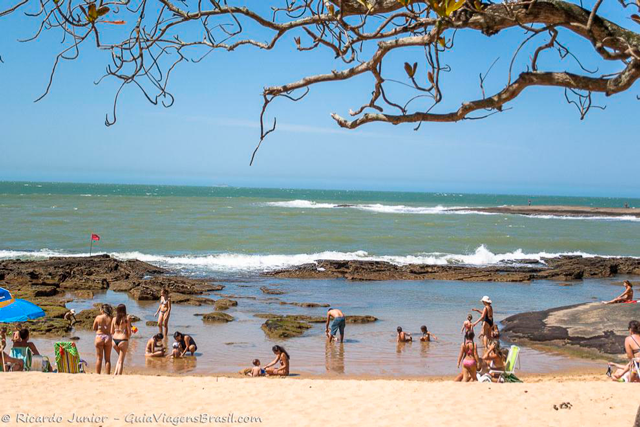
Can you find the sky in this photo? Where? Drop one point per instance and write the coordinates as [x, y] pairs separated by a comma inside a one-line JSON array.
[[538, 146]]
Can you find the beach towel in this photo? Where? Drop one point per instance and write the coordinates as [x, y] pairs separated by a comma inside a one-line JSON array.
[[23, 353], [67, 358]]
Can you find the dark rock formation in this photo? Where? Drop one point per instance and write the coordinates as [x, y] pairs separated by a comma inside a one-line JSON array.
[[225, 304], [271, 291], [565, 268], [281, 327], [292, 325], [573, 211], [217, 317], [302, 304], [593, 329]]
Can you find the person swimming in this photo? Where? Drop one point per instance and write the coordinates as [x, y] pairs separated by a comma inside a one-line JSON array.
[[403, 336], [426, 335]]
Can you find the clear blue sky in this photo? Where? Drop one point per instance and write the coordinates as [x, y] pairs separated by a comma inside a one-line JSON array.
[[206, 138]]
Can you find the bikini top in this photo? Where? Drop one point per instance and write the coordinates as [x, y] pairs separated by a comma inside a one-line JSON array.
[[635, 350]]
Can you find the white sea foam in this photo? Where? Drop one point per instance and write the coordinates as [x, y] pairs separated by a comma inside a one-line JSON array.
[[432, 210], [233, 262]]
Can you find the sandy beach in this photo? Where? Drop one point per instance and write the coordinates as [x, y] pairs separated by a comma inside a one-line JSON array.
[[135, 399]]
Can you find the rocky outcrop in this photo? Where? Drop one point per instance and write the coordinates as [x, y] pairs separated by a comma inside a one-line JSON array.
[[56, 276], [593, 329], [293, 325], [572, 211], [271, 291], [565, 268], [282, 327], [225, 304], [216, 317]]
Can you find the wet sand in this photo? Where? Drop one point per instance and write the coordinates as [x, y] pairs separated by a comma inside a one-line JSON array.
[[128, 400]]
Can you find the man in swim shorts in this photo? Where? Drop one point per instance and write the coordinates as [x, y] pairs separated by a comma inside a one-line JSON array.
[[337, 325]]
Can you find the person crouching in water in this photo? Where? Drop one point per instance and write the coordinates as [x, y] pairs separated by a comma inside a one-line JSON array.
[[185, 343], [337, 325], [155, 347], [426, 335], [403, 336]]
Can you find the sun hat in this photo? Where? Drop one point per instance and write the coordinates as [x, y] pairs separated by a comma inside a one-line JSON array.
[[486, 299]]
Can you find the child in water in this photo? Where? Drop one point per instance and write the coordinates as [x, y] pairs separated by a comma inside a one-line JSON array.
[[467, 325], [256, 371], [403, 336], [426, 335]]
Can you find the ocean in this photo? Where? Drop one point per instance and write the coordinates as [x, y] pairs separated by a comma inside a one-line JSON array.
[[232, 235]]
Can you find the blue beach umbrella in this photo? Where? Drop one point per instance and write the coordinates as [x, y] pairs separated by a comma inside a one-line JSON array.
[[17, 310]]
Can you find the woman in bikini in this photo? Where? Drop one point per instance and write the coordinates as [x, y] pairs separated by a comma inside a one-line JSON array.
[[493, 357], [281, 356], [469, 358], [103, 342], [632, 349], [486, 317], [163, 312], [155, 347], [121, 332], [185, 343], [626, 296]]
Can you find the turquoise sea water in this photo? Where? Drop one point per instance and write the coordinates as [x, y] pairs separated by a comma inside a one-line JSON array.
[[232, 235]]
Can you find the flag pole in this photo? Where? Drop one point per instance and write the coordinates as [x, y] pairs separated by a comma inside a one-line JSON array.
[[91, 245]]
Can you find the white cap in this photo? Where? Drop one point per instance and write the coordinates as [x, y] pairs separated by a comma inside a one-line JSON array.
[[72, 311], [486, 299]]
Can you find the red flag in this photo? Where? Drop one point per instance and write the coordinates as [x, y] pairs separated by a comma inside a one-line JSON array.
[[95, 237]]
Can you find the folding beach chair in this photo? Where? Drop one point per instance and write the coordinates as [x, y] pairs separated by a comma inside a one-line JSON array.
[[67, 358], [23, 353], [508, 374]]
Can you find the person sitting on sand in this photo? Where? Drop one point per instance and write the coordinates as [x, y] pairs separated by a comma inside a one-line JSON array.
[[626, 296], [163, 312], [121, 332], [426, 335], [256, 371], [186, 343], [469, 358], [403, 336], [70, 316], [337, 325], [23, 342], [632, 349], [486, 317], [8, 363], [103, 341], [494, 357], [281, 356], [155, 347]]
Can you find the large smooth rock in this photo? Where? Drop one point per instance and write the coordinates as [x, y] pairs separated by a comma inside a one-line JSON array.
[[271, 291], [593, 329]]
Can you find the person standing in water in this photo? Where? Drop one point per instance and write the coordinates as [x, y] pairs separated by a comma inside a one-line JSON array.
[[626, 296], [103, 341], [121, 332], [337, 325], [163, 312], [486, 317]]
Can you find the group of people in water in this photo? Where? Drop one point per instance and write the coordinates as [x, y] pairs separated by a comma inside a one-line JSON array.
[[113, 332]]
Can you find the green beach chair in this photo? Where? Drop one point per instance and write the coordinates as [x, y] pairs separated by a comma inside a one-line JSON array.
[[23, 353], [508, 374]]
